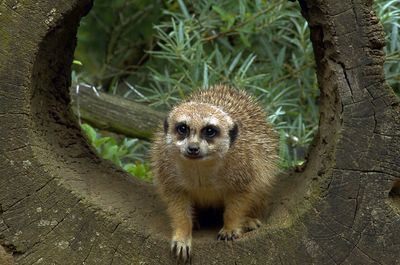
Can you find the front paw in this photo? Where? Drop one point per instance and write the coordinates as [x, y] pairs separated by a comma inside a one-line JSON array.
[[181, 250], [251, 224], [229, 234]]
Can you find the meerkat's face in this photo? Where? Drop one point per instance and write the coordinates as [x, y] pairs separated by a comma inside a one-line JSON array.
[[199, 131]]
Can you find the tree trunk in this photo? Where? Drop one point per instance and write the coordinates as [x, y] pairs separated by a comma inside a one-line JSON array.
[[115, 114], [61, 204]]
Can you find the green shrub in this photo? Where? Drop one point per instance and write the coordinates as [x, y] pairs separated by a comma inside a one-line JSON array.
[[122, 153], [260, 46]]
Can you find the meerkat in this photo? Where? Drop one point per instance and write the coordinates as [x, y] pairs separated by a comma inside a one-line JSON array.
[[216, 150]]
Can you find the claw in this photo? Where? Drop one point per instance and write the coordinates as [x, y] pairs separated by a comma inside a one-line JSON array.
[[228, 235], [251, 224], [181, 251]]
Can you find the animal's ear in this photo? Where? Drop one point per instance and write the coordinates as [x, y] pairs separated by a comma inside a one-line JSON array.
[[166, 125], [233, 133]]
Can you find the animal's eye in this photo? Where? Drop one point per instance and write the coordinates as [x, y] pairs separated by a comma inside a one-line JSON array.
[[210, 132], [182, 129]]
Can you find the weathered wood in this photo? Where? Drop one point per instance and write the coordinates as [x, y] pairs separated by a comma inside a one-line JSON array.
[[5, 258], [115, 114], [61, 204]]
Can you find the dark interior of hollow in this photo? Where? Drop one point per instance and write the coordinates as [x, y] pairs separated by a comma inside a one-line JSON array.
[[208, 218], [394, 193]]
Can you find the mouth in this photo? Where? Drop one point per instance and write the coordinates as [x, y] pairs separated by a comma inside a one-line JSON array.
[[193, 157]]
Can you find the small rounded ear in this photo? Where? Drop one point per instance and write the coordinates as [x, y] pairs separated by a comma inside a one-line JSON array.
[[233, 133], [166, 125]]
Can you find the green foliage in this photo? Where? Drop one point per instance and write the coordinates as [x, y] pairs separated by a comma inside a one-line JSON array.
[[389, 13], [121, 153], [260, 46], [140, 170], [111, 39]]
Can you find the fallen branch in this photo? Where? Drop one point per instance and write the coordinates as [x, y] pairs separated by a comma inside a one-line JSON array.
[[115, 114]]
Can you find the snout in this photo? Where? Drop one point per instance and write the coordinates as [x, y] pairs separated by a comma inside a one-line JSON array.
[[193, 151]]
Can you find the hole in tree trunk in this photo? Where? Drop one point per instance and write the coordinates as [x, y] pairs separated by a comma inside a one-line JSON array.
[[394, 194], [115, 114], [211, 218], [114, 111]]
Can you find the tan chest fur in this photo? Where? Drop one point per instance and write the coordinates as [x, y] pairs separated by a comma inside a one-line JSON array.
[[202, 183]]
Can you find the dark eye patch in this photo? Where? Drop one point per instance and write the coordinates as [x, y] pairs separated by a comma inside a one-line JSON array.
[[210, 131], [166, 125], [182, 129], [233, 133]]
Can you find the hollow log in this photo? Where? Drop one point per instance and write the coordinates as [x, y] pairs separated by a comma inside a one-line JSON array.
[[115, 113], [61, 204]]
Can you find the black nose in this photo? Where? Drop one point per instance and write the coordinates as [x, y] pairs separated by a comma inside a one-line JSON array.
[[193, 150]]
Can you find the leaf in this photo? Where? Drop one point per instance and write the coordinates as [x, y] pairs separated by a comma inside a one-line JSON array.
[[110, 151], [100, 141], [129, 168], [89, 132], [219, 10], [184, 9], [205, 76], [234, 63], [229, 18], [77, 62], [245, 39], [129, 143]]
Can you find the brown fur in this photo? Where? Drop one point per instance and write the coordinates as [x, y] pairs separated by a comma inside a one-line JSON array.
[[237, 176]]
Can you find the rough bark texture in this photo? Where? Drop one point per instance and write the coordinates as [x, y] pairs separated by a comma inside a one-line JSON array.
[[115, 114], [5, 258], [60, 204]]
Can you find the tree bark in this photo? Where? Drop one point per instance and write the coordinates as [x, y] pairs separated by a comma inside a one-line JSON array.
[[115, 114], [61, 204]]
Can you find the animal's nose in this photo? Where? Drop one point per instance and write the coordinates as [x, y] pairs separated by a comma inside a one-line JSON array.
[[193, 150]]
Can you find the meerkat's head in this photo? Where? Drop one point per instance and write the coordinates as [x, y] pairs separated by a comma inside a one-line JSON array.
[[199, 131]]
